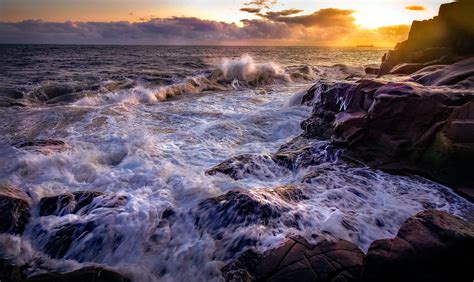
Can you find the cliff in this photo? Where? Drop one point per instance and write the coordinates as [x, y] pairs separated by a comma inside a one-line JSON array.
[[445, 39]]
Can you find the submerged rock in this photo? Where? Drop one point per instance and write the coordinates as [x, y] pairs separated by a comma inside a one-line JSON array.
[[430, 246], [14, 209], [298, 260], [67, 203], [92, 273], [243, 208], [243, 166], [44, 146]]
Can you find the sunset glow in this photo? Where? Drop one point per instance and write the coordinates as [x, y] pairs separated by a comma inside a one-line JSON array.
[[381, 23]]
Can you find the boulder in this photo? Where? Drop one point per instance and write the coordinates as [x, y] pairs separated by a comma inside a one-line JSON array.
[[298, 260], [430, 246], [402, 125], [14, 209], [44, 146], [92, 273]]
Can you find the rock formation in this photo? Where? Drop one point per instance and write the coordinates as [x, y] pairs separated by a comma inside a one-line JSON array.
[[445, 39]]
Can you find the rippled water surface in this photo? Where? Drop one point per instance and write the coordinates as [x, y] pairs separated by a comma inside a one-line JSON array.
[[143, 124]]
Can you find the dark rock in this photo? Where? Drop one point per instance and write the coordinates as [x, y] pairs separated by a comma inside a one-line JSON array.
[[450, 34], [92, 273], [14, 210], [10, 272], [81, 202], [92, 236], [243, 166], [430, 246], [371, 70], [44, 146], [402, 125], [243, 208], [298, 260]]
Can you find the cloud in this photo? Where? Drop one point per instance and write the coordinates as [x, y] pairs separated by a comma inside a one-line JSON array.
[[251, 10], [415, 8], [261, 3], [323, 27], [329, 17], [283, 13]]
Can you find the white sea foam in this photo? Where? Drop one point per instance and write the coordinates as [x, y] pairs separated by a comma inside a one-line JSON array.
[[150, 159]]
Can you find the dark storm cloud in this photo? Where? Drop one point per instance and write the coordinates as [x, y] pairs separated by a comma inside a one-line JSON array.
[[251, 10], [329, 17]]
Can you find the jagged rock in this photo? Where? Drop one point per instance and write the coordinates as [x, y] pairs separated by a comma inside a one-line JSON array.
[[449, 35], [92, 273], [14, 209], [298, 260], [430, 246]]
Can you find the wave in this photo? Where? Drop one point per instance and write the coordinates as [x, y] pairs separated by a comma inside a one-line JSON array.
[[231, 74]]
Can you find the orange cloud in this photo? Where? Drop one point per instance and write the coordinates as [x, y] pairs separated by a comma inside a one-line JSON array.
[[415, 8]]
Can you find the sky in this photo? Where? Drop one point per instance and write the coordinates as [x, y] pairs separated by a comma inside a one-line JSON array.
[[212, 22]]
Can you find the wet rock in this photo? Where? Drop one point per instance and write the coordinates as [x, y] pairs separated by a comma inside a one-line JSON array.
[[10, 272], [243, 166], [444, 39], [14, 210], [44, 146], [81, 202], [69, 240], [92, 273], [430, 246], [402, 125], [244, 208], [298, 260]]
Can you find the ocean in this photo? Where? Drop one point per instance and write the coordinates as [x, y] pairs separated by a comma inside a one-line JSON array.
[[142, 124]]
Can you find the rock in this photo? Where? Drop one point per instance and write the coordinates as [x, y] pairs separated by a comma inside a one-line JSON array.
[[402, 125], [44, 146], [449, 34], [10, 272], [92, 273], [243, 208], [430, 246], [243, 166], [371, 70], [406, 68], [298, 260], [14, 209], [67, 203], [81, 202]]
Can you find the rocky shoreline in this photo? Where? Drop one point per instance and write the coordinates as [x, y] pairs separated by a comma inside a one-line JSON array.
[[413, 115]]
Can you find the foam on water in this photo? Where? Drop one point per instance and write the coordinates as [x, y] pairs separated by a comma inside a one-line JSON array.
[[153, 222]]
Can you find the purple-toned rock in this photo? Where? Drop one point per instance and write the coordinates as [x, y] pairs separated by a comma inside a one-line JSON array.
[[92, 273], [430, 246], [14, 210], [298, 260]]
